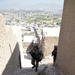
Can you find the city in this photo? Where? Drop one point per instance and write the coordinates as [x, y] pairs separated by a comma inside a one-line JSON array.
[[28, 19]]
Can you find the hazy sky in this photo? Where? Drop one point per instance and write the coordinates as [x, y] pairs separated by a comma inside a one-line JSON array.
[[31, 1], [12, 3]]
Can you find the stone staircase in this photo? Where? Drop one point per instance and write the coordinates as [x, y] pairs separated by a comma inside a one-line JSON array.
[[45, 68]]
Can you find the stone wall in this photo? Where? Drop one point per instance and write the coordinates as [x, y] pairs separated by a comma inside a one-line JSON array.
[[66, 46], [48, 44], [9, 49]]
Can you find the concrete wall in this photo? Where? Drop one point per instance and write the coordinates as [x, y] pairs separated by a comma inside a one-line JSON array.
[[66, 49], [9, 50]]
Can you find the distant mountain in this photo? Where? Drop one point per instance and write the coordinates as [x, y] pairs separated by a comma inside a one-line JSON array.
[[40, 6], [48, 6]]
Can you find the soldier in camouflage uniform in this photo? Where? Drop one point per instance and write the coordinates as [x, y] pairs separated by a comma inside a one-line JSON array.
[[37, 56]]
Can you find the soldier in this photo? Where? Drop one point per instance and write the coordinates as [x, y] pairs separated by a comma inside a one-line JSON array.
[[54, 54], [37, 56]]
